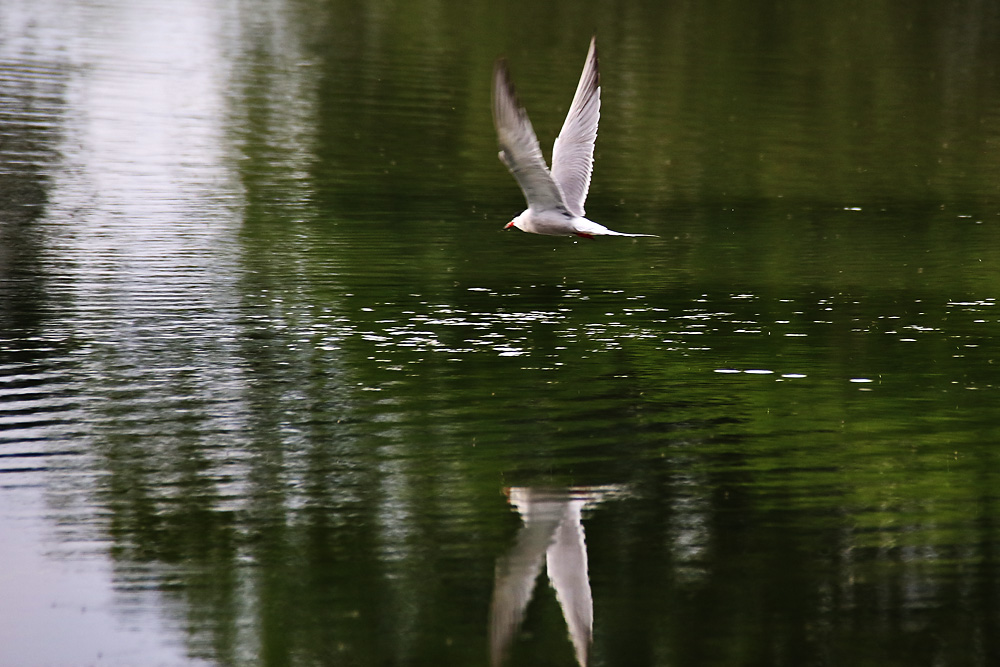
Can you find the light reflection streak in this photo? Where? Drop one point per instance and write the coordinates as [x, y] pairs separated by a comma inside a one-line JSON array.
[[140, 220]]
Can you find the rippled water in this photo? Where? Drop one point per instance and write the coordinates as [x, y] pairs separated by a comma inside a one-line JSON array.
[[275, 388]]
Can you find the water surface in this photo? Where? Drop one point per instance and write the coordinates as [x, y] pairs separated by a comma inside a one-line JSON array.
[[276, 389]]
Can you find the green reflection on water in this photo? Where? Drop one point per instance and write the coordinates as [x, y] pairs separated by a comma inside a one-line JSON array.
[[823, 200]]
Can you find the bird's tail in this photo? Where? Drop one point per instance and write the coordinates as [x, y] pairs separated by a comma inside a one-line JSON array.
[[584, 227]]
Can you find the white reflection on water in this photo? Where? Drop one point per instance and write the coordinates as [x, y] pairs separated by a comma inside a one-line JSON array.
[[139, 222], [66, 609], [552, 533]]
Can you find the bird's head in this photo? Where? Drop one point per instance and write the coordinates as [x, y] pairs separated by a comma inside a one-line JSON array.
[[516, 222]]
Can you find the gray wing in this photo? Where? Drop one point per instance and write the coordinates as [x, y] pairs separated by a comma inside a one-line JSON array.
[[573, 153], [566, 560], [514, 586], [519, 148]]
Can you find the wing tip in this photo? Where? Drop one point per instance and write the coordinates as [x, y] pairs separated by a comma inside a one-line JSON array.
[[592, 57], [501, 66], [503, 87], [502, 76]]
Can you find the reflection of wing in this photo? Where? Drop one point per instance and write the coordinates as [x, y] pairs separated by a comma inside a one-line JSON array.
[[519, 148], [573, 152], [566, 560], [553, 529], [514, 584]]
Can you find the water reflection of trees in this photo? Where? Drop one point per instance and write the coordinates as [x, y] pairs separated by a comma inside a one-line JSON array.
[[31, 99], [312, 495]]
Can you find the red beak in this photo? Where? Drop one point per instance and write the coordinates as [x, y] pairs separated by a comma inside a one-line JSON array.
[[509, 225]]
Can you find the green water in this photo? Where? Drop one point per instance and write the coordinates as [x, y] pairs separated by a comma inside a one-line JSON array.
[[277, 389]]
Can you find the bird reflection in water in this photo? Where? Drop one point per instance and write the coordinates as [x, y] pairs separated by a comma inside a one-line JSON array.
[[551, 531]]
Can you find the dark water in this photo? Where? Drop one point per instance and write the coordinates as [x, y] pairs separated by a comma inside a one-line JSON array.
[[276, 389]]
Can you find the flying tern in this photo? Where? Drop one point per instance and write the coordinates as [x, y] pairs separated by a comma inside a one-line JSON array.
[[555, 198]]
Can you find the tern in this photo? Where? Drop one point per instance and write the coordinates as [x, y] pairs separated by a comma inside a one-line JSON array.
[[555, 198]]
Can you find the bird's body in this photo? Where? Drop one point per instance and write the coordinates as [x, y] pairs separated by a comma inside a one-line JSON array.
[[555, 198], [560, 222]]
